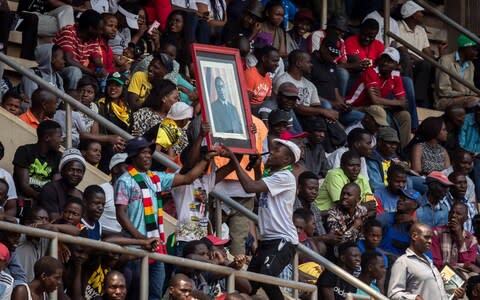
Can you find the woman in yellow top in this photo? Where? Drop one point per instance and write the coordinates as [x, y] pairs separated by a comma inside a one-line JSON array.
[[114, 107]]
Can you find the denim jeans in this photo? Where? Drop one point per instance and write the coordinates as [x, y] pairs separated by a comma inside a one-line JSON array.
[[196, 29], [342, 77], [156, 277], [346, 119], [71, 75]]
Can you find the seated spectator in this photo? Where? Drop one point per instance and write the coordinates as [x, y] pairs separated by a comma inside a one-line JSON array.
[[358, 140], [349, 171], [274, 15], [411, 29], [308, 104], [109, 31], [346, 218], [378, 15], [372, 232], [44, 106], [457, 194], [72, 212], [337, 25], [286, 99], [53, 195], [114, 286], [454, 118], [470, 141], [12, 102], [50, 65], [257, 79], [374, 118], [427, 153], [451, 244], [451, 92], [51, 17], [92, 151], [80, 44], [14, 268], [78, 126], [315, 159], [377, 84], [117, 167], [87, 87], [10, 191], [373, 271], [128, 33], [363, 49], [278, 121], [331, 286], [307, 191], [245, 24], [6, 281], [48, 278], [434, 207], [463, 163], [325, 77], [396, 225], [36, 164], [295, 38], [305, 233], [141, 82], [387, 197], [180, 287]]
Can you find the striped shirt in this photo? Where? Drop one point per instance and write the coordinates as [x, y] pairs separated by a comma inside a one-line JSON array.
[[370, 78], [83, 52]]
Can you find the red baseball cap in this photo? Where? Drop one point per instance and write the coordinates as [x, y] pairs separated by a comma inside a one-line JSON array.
[[4, 253], [288, 135], [217, 241], [436, 176]]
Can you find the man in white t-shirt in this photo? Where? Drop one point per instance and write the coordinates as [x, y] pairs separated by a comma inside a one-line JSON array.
[[278, 236], [117, 167], [308, 104]]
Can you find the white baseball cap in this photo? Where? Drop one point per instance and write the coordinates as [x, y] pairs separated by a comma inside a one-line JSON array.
[[180, 111], [392, 53], [131, 18], [292, 146], [117, 159], [409, 8]]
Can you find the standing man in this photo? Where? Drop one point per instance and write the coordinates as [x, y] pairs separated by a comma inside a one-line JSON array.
[[137, 192], [413, 274], [225, 114], [278, 235]]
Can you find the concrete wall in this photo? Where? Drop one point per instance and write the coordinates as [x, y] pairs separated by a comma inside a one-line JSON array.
[[14, 133]]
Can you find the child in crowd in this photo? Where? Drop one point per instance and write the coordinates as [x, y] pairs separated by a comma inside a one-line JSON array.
[[373, 271], [78, 126], [48, 278], [6, 280], [12, 102], [92, 151], [88, 88], [94, 199]]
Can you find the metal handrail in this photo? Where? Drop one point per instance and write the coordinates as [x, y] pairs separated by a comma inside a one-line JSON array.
[[160, 157], [351, 296], [407, 45], [174, 260], [448, 20]]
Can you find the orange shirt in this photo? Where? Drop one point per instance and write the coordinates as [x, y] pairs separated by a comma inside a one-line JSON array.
[[259, 86], [260, 136], [29, 118]]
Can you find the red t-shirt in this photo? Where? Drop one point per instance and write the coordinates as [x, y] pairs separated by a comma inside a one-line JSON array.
[[260, 86], [373, 51], [83, 52], [393, 85], [107, 57]]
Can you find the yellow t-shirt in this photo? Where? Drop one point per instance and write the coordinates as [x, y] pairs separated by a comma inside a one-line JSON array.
[[140, 85]]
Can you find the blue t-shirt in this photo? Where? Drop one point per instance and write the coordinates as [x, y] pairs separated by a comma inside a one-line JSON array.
[[361, 247], [92, 232], [389, 200]]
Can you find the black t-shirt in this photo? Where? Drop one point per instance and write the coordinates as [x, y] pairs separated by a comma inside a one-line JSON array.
[[53, 197], [40, 168], [324, 77], [340, 286]]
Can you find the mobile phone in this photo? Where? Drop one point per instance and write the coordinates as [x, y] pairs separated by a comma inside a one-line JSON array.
[[154, 25]]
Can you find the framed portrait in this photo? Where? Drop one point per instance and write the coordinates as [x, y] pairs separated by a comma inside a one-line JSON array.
[[224, 101]]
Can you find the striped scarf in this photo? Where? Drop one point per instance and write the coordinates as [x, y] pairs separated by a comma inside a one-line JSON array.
[[154, 229]]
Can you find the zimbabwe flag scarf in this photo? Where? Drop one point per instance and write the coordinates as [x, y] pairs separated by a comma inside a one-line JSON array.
[[154, 229]]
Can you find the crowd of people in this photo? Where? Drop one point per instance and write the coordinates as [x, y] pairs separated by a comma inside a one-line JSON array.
[[342, 164]]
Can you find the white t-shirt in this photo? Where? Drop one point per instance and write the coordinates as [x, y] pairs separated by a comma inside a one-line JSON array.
[[307, 92], [191, 204], [109, 217], [77, 125], [6, 285], [232, 188], [275, 208], [393, 25], [333, 161], [12, 190]]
